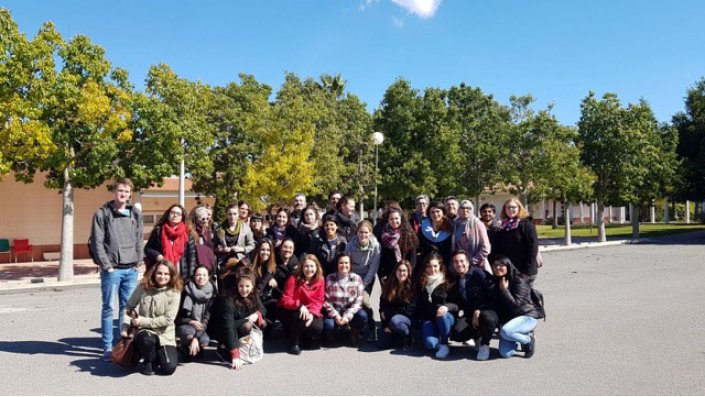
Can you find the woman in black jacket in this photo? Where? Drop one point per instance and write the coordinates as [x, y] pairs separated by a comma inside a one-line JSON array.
[[516, 310], [172, 240], [399, 242], [517, 240], [281, 229], [433, 306], [307, 231], [396, 306], [328, 245]]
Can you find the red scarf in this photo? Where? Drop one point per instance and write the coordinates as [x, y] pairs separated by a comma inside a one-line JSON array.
[[174, 242]]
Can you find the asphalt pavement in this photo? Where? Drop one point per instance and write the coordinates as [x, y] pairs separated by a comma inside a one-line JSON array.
[[621, 319]]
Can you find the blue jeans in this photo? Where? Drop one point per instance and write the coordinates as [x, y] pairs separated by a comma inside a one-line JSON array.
[[436, 332], [515, 331], [400, 324], [118, 284], [358, 321]]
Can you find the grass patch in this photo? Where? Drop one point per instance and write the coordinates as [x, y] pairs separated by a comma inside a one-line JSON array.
[[646, 230]]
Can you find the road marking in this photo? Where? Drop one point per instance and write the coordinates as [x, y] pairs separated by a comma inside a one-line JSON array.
[[6, 310]]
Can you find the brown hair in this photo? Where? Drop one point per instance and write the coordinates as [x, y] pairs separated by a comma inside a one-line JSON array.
[[445, 223], [393, 290], [300, 278], [271, 264], [408, 241], [424, 277], [175, 281], [523, 213], [249, 303], [124, 181]]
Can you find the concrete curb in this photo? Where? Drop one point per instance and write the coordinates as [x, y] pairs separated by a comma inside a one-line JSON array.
[[40, 283], [554, 247]]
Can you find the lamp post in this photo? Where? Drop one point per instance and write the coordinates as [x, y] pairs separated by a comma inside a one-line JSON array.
[[377, 139]]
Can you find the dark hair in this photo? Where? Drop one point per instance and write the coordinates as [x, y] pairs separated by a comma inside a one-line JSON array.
[[504, 261], [208, 269], [250, 303], [332, 193], [343, 202], [445, 225], [458, 252], [271, 263], [309, 208], [329, 218], [424, 277], [393, 290], [488, 205], [340, 255], [408, 241], [165, 217], [175, 281], [284, 210], [243, 202]]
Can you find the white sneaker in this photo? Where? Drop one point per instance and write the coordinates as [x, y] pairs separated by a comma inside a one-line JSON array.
[[442, 351], [483, 353]]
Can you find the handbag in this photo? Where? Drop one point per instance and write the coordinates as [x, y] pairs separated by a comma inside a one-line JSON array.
[[123, 353], [251, 346]]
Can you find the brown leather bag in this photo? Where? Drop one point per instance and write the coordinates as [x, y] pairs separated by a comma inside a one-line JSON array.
[[124, 353]]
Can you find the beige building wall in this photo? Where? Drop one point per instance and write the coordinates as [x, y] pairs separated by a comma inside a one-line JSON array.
[[34, 212]]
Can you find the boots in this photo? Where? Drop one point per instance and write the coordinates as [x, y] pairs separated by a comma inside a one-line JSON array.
[[354, 337]]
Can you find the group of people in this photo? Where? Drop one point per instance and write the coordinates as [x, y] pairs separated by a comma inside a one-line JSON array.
[[444, 272]]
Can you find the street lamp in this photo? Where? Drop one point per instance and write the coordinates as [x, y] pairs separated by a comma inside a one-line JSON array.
[[377, 139]]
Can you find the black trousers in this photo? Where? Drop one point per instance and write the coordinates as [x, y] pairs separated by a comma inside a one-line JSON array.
[[463, 330], [296, 328], [164, 358]]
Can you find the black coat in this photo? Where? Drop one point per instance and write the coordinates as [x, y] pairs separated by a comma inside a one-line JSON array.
[[303, 240], [516, 300], [477, 294], [390, 309], [426, 309], [232, 318], [520, 245], [188, 262], [320, 248]]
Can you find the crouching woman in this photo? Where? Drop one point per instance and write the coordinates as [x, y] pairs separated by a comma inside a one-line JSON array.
[[152, 309]]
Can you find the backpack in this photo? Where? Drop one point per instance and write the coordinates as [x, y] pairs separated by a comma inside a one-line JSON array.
[[537, 300]]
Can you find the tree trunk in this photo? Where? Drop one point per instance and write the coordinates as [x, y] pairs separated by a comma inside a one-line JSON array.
[[566, 216], [555, 216], [634, 216], [66, 261], [601, 234], [687, 211]]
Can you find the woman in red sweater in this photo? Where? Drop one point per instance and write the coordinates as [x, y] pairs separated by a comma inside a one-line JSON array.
[[301, 303]]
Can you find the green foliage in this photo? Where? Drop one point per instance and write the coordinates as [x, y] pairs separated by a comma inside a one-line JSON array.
[[690, 126]]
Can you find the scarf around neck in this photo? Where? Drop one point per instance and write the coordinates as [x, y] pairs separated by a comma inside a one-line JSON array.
[[433, 282], [510, 223], [390, 239], [174, 240]]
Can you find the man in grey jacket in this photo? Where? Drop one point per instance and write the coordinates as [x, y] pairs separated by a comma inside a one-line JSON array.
[[116, 247]]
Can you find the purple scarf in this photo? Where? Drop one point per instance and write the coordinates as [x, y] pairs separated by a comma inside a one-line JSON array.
[[390, 239]]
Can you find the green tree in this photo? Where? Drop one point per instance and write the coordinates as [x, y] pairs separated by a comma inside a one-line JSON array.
[[27, 73], [482, 126], [690, 126], [619, 147]]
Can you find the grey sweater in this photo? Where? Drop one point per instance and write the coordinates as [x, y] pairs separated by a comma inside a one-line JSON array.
[[365, 262], [117, 239]]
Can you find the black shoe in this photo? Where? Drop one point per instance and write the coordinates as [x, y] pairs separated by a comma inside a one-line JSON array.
[[530, 347], [384, 340], [147, 369], [372, 334], [408, 343], [295, 349]]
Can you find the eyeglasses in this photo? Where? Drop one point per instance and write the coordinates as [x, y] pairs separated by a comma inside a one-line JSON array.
[[465, 208]]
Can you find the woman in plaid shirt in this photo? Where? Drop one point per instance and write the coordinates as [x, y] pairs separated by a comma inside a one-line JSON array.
[[344, 292]]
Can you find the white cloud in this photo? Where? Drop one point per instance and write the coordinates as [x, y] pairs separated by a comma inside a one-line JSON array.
[[367, 4], [398, 22], [423, 8]]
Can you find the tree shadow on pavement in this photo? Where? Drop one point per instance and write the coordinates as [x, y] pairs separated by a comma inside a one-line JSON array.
[[85, 348]]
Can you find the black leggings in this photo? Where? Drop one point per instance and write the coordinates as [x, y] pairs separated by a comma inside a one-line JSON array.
[[165, 358], [295, 327], [463, 330]]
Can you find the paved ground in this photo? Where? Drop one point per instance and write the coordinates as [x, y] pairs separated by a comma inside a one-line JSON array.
[[624, 319]]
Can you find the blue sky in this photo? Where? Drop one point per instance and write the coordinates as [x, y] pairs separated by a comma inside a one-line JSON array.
[[554, 50]]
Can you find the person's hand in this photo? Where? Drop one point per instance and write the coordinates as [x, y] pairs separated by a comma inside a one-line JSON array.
[[132, 313], [303, 312], [309, 320], [135, 322], [194, 347], [196, 325], [123, 334], [441, 311], [110, 269], [387, 330], [273, 283], [476, 319], [504, 283], [160, 258], [341, 321], [253, 318], [237, 364]]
